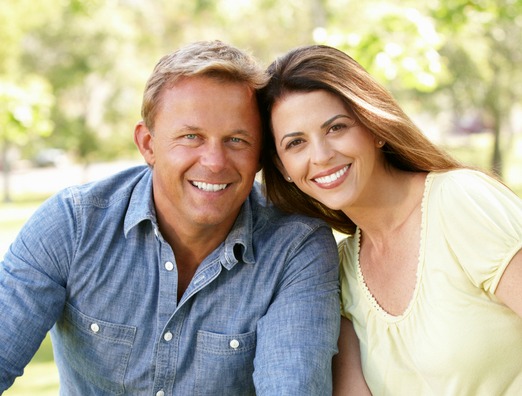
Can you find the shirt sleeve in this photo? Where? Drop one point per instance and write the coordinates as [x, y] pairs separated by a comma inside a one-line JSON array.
[[32, 286], [482, 222], [297, 337]]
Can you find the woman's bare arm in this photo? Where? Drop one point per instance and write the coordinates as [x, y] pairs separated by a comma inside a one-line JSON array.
[[509, 289], [348, 377]]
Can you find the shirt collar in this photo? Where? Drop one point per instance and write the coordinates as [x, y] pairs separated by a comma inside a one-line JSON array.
[[141, 205], [238, 244]]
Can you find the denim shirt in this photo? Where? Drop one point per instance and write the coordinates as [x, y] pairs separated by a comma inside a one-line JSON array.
[[260, 316]]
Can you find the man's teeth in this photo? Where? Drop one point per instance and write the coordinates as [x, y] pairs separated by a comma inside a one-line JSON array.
[[209, 187], [333, 177]]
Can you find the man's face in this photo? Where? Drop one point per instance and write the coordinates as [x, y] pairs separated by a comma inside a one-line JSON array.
[[205, 151]]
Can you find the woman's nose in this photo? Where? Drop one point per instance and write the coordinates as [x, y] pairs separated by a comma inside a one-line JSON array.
[[322, 152]]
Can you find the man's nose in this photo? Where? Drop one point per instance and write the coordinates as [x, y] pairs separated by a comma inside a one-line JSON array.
[[214, 156]]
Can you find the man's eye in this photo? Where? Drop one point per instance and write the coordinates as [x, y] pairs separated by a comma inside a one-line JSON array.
[[191, 136], [236, 140]]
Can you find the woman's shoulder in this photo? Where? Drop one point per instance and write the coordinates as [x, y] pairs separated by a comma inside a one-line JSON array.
[[348, 248], [463, 176], [470, 182], [455, 175], [462, 194]]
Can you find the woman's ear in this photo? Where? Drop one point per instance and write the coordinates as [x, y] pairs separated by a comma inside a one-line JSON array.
[[279, 165], [378, 142], [143, 138]]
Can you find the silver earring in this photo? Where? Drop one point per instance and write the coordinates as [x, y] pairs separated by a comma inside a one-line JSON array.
[[289, 178], [380, 143]]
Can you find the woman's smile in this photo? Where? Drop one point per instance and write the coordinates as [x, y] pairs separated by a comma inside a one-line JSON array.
[[332, 180]]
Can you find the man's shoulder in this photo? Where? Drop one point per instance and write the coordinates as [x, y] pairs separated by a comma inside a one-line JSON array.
[[266, 213], [111, 189], [285, 235]]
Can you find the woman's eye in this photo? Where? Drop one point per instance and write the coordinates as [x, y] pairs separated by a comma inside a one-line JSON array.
[[337, 127], [294, 143]]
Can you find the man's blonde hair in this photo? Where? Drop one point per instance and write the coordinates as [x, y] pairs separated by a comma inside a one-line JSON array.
[[214, 59]]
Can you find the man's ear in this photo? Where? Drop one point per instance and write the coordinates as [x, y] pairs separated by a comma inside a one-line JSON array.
[[143, 138], [279, 165]]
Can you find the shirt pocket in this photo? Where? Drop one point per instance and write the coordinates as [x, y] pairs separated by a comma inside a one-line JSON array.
[[96, 349], [225, 363]]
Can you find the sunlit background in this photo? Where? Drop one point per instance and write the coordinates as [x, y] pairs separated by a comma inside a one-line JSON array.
[[72, 74]]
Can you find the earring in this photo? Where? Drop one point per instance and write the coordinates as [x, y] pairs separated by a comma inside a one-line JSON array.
[[380, 143], [289, 178]]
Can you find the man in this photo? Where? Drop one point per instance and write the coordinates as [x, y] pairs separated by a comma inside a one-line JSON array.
[[177, 278]]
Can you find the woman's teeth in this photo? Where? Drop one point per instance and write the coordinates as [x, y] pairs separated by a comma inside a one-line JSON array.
[[333, 177]]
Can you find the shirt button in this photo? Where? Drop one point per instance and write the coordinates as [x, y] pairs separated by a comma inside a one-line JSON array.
[[167, 336], [160, 393], [234, 344], [95, 328], [169, 266]]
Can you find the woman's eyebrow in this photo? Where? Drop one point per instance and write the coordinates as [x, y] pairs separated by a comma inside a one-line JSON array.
[[330, 120], [323, 125], [291, 134]]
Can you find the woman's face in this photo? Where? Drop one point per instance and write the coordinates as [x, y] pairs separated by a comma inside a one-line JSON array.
[[322, 148]]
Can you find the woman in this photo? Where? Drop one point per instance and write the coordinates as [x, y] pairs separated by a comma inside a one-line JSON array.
[[431, 269]]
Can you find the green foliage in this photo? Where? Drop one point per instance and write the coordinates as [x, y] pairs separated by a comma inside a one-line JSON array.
[[96, 55], [483, 52], [18, 17], [396, 43], [25, 109]]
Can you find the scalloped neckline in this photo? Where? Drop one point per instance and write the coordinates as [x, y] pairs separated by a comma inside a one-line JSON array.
[[420, 264]]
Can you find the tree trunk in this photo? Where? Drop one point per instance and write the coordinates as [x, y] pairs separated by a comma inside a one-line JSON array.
[[496, 157], [496, 119], [6, 171]]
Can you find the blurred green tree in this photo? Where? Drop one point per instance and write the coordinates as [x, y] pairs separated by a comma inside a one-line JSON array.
[[24, 114], [88, 51], [448, 56], [26, 99], [482, 50]]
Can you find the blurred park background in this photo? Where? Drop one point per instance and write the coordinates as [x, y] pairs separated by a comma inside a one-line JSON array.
[[72, 74]]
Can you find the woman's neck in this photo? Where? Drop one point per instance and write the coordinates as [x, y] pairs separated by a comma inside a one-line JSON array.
[[398, 195]]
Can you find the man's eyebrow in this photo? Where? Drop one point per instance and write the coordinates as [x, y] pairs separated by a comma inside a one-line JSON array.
[[190, 128], [243, 132], [187, 128]]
